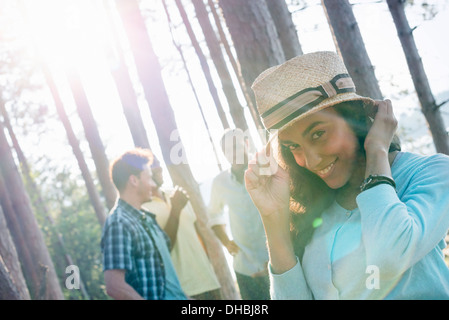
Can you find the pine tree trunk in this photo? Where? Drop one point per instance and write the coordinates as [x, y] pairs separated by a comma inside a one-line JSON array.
[[10, 257], [125, 89], [235, 66], [349, 43], [36, 196], [8, 289], [94, 196], [204, 64], [217, 56], [73, 141], [130, 106], [46, 283], [255, 39], [178, 47], [23, 251], [93, 137], [285, 27], [150, 76], [419, 77]]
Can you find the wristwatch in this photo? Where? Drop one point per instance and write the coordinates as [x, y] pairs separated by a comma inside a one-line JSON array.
[[376, 179]]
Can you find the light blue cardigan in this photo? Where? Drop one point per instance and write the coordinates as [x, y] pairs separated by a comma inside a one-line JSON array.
[[390, 247]]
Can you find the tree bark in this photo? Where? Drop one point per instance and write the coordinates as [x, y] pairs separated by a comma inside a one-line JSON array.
[[350, 45], [73, 141], [184, 63], [93, 137], [15, 230], [10, 257], [150, 76], [94, 196], [204, 65], [285, 27], [8, 290], [419, 77], [43, 276], [217, 56], [235, 66], [36, 196], [255, 39], [126, 90]]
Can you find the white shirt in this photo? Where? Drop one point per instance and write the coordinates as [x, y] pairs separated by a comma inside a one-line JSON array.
[[244, 219]]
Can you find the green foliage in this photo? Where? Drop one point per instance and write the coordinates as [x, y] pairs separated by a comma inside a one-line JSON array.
[[75, 221], [81, 231]]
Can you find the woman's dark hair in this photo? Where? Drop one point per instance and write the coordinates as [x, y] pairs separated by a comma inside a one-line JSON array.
[[309, 194]]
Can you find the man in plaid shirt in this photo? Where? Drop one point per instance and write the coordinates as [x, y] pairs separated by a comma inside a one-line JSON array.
[[136, 251]]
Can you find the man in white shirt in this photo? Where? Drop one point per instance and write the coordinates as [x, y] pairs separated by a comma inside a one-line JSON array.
[[248, 243]]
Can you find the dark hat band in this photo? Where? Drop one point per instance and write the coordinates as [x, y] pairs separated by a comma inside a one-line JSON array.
[[304, 100]]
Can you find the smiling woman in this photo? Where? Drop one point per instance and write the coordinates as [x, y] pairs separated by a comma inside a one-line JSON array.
[[363, 204], [327, 143]]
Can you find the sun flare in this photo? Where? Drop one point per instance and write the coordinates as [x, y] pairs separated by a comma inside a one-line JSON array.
[[64, 32]]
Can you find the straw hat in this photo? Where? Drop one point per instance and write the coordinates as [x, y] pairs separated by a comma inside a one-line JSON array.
[[302, 86]]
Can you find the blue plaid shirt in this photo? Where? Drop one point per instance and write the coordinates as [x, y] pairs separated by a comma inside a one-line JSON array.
[[128, 243]]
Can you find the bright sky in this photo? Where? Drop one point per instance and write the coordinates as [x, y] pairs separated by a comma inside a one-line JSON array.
[[75, 32]]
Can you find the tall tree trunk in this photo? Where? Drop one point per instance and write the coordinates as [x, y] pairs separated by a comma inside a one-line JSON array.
[[10, 256], [285, 27], [15, 230], [93, 137], [36, 196], [204, 64], [8, 289], [178, 47], [350, 45], [235, 66], [94, 196], [46, 283], [217, 56], [125, 87], [150, 76], [255, 39], [428, 105]]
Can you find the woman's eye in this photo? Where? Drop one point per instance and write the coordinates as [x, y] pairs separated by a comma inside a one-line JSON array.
[[293, 146], [317, 134]]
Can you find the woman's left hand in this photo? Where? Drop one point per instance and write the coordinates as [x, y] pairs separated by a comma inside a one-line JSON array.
[[383, 129]]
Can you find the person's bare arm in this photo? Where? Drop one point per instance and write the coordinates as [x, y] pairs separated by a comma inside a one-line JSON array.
[[269, 189], [220, 232], [379, 138], [117, 288], [178, 201]]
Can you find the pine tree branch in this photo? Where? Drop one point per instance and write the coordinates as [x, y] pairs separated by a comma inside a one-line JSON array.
[[438, 106]]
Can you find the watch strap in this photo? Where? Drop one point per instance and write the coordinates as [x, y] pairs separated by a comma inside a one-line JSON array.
[[376, 179]]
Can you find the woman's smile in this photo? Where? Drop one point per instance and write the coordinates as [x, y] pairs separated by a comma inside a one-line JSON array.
[[324, 144], [327, 171]]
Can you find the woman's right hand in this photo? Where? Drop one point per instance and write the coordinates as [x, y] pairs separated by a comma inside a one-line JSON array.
[[269, 187], [268, 184]]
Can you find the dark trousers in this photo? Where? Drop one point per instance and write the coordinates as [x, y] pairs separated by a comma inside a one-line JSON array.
[[257, 288]]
